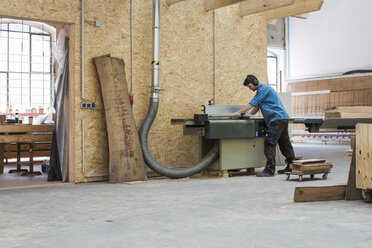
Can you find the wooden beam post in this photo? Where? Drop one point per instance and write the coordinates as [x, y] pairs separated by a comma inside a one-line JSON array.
[[170, 2], [299, 7], [215, 4], [256, 6]]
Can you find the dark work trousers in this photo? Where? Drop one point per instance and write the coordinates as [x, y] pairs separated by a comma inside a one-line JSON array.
[[277, 133]]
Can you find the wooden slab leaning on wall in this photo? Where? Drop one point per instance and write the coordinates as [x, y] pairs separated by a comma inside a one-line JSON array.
[[125, 154]]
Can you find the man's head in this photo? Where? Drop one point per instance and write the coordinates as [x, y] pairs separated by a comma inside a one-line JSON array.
[[251, 82]]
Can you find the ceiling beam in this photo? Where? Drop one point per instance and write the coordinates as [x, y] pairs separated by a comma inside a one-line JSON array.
[[170, 2], [301, 16], [256, 6], [215, 4], [299, 7]]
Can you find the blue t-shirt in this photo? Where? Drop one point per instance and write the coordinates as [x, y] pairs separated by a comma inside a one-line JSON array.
[[269, 102]]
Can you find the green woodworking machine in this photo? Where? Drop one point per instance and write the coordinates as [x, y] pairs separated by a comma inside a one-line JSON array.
[[240, 138]]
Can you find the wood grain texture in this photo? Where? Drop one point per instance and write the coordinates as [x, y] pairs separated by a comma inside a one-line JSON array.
[[309, 167], [345, 92], [364, 156], [126, 161], [215, 4], [25, 128], [256, 6], [308, 161], [327, 193], [25, 138]]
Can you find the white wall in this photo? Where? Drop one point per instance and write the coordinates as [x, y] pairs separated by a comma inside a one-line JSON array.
[[336, 39]]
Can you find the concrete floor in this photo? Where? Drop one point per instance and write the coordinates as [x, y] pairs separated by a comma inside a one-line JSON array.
[[243, 211]]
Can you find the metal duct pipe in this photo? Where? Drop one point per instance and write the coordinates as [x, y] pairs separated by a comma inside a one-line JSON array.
[[153, 109]]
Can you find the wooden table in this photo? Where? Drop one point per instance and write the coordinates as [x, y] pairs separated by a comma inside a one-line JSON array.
[[20, 133]]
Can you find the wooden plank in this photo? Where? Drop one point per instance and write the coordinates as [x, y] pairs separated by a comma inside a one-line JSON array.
[[25, 138], [169, 2], [126, 161], [327, 193], [309, 172], [25, 154], [215, 4], [256, 6], [364, 156], [308, 161], [25, 128], [308, 167], [352, 192], [298, 7], [24, 147]]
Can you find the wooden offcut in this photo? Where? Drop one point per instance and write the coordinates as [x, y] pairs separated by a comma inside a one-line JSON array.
[[364, 156], [308, 161], [256, 6], [327, 193], [215, 4], [310, 167], [125, 155]]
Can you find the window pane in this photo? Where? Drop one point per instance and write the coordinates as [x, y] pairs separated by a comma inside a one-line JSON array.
[[4, 26], [15, 27], [46, 102], [3, 80], [15, 80], [38, 30], [26, 44], [271, 71], [3, 50], [26, 28]]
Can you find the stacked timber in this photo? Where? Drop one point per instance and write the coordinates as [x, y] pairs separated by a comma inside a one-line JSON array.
[[349, 112], [310, 167]]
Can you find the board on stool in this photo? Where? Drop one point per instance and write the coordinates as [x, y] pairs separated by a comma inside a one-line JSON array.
[[309, 167]]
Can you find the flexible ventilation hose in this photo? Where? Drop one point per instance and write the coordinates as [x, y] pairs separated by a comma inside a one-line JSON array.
[[211, 156]]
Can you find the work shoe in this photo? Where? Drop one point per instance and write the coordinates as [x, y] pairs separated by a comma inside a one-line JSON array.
[[264, 174], [286, 169]]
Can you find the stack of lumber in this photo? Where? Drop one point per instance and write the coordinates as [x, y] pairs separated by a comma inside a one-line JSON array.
[[310, 166], [349, 112]]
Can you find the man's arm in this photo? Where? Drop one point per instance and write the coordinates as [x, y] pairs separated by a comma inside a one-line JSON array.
[[246, 108], [254, 110]]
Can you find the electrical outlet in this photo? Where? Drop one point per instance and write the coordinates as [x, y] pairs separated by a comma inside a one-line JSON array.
[[88, 105]]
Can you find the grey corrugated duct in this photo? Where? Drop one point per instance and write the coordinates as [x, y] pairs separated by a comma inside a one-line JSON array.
[[153, 109]]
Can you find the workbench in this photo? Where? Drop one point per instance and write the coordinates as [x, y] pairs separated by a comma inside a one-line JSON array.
[[23, 134]]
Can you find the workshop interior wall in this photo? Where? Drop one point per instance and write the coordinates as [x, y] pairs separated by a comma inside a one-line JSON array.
[[346, 91], [186, 67]]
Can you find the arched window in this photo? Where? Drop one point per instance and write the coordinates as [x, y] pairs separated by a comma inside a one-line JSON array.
[[26, 75]]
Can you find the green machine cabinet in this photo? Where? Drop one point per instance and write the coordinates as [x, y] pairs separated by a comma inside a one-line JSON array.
[[236, 153], [241, 143]]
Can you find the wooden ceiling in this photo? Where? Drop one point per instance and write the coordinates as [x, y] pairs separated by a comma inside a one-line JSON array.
[[271, 9]]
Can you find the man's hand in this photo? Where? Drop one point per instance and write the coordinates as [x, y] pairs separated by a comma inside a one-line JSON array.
[[245, 108]]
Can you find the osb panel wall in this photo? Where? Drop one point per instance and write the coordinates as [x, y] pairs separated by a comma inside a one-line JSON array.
[[350, 91], [186, 67]]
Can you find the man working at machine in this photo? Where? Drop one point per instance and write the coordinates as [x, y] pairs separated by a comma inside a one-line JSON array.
[[276, 119]]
